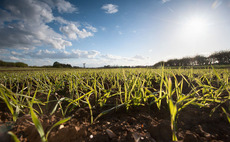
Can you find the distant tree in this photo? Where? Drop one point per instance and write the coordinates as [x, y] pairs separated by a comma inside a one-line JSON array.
[[186, 61], [11, 64], [60, 65], [107, 66], [2, 63], [67, 66], [222, 57], [200, 60], [20, 64], [57, 65], [159, 64], [172, 62]]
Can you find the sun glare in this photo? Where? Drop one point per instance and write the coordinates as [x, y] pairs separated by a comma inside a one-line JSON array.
[[195, 25]]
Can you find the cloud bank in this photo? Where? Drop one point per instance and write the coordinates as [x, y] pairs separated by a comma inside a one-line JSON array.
[[25, 24], [93, 58], [47, 54]]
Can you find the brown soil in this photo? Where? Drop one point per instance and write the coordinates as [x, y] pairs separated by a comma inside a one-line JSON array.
[[145, 123]]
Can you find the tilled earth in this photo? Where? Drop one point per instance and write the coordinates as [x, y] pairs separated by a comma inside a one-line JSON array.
[[139, 123]]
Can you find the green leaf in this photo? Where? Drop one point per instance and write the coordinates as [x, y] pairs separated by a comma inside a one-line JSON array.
[[55, 107], [109, 110], [186, 104], [173, 109], [227, 114], [56, 124], [90, 108], [15, 138], [38, 125], [6, 100]]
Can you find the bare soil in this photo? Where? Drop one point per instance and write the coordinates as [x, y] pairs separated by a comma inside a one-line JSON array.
[[141, 123]]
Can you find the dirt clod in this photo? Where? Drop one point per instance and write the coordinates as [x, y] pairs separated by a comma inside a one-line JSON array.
[[190, 137], [111, 133]]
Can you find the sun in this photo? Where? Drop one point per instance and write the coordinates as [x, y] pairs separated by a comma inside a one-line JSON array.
[[195, 25]]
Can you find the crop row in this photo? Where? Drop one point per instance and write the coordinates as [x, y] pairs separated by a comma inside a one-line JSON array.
[[34, 92]]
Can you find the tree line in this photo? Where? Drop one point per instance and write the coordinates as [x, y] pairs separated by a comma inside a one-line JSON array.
[[217, 58], [21, 64], [12, 64], [60, 65]]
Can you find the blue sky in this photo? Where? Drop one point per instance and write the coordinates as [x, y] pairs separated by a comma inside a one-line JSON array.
[[111, 32]]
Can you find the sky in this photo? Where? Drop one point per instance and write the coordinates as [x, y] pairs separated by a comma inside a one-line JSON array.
[[111, 32]]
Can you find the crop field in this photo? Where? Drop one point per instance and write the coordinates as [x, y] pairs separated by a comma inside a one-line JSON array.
[[115, 105]]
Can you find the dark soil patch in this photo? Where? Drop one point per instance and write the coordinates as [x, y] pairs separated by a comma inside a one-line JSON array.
[[143, 122]]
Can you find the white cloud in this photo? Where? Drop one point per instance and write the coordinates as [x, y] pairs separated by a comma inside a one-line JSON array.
[[30, 27], [139, 57], [111, 57], [62, 6], [103, 28], [65, 7], [24, 24], [47, 54], [91, 28], [4, 51], [114, 60], [62, 21], [73, 32], [75, 54], [29, 11], [110, 8], [15, 53], [74, 57], [86, 54], [114, 57], [164, 1], [14, 58], [58, 43]]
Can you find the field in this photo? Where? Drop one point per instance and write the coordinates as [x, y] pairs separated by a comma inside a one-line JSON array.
[[115, 105]]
